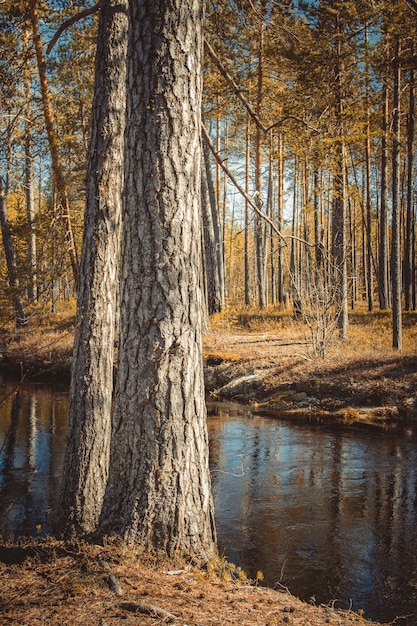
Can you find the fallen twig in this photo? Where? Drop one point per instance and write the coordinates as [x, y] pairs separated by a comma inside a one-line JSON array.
[[114, 584], [148, 609]]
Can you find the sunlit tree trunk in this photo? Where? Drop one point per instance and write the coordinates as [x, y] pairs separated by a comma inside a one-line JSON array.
[[211, 239], [368, 205], [270, 207], [159, 491], [53, 141], [396, 208], [384, 300], [409, 219], [339, 248], [88, 435], [280, 203], [259, 231], [29, 180], [247, 190]]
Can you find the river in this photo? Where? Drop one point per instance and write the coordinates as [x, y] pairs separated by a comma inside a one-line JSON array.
[[328, 513]]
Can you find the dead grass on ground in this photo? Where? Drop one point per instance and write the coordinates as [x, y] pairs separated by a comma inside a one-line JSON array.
[[52, 584], [274, 339]]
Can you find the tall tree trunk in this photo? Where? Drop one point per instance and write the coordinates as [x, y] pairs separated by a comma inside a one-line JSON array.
[[280, 202], [20, 316], [368, 204], [219, 242], [409, 221], [383, 287], [259, 233], [53, 141], [339, 248], [270, 207], [88, 435], [29, 179], [247, 190], [396, 208], [211, 242], [159, 491]]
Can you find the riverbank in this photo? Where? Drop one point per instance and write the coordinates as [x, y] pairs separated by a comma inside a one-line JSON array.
[[262, 360], [52, 583], [267, 360]]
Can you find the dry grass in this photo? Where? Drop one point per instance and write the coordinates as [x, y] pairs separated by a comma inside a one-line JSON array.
[[54, 584], [270, 351], [360, 371], [44, 345]]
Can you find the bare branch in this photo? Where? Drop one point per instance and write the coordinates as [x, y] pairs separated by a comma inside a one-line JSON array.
[[226, 170], [72, 20], [223, 71], [249, 200], [291, 117], [412, 4]]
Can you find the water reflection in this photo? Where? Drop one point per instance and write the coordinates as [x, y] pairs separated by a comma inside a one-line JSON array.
[[32, 435], [326, 513]]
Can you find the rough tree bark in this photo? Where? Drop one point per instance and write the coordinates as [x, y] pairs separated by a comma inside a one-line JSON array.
[[88, 436], [159, 490]]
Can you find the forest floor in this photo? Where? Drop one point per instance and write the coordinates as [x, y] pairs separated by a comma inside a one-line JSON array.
[[266, 360], [55, 584]]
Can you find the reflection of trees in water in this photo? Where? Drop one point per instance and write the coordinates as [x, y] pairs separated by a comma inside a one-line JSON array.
[[8, 458], [31, 458], [326, 513], [395, 523]]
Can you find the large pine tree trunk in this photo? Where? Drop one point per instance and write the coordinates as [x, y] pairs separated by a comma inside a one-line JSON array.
[[159, 490], [88, 436]]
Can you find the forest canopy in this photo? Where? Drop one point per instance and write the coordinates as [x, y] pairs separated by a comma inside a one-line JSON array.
[[308, 119]]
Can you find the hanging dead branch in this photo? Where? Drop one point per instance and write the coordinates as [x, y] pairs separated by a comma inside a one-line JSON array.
[[223, 71], [249, 200]]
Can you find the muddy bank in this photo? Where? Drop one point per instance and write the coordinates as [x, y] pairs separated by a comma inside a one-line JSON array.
[[379, 395], [355, 384]]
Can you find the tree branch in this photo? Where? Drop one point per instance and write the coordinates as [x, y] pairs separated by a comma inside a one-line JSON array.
[[226, 170], [412, 4], [72, 20], [255, 207], [223, 71]]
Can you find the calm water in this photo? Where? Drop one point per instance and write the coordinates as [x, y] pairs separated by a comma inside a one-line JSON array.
[[329, 514]]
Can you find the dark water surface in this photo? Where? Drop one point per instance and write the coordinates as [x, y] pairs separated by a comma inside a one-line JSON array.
[[330, 514]]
